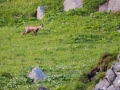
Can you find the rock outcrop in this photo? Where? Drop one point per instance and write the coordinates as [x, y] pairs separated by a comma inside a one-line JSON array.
[[112, 78]]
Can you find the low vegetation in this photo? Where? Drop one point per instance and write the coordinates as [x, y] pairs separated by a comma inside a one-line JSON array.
[[68, 48]]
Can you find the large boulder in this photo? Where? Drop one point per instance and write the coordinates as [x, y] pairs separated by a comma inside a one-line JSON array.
[[114, 5], [110, 6], [72, 4], [37, 74], [103, 7], [40, 12]]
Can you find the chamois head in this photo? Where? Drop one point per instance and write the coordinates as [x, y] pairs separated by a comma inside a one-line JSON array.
[[41, 26]]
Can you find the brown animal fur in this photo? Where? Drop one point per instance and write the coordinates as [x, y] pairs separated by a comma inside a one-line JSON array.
[[33, 29]]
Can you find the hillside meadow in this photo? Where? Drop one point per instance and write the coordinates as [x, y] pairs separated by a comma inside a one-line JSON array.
[[68, 47]]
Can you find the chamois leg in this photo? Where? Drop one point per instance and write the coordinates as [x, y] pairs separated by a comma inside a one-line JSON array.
[[24, 33], [35, 33]]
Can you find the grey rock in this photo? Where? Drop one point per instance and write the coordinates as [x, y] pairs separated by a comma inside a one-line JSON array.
[[102, 85], [110, 87], [40, 12], [116, 68], [110, 6], [113, 88], [119, 31], [42, 88], [103, 7], [37, 74], [72, 4], [117, 81], [110, 76], [119, 54], [113, 5]]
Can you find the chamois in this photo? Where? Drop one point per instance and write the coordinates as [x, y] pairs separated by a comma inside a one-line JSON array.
[[33, 29]]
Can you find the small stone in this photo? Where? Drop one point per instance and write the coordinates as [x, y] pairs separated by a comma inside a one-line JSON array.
[[42, 88], [37, 74]]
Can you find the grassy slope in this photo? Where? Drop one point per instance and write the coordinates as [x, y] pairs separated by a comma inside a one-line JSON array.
[[70, 44]]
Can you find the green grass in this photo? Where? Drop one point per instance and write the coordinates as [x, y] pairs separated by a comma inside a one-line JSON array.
[[69, 46]]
